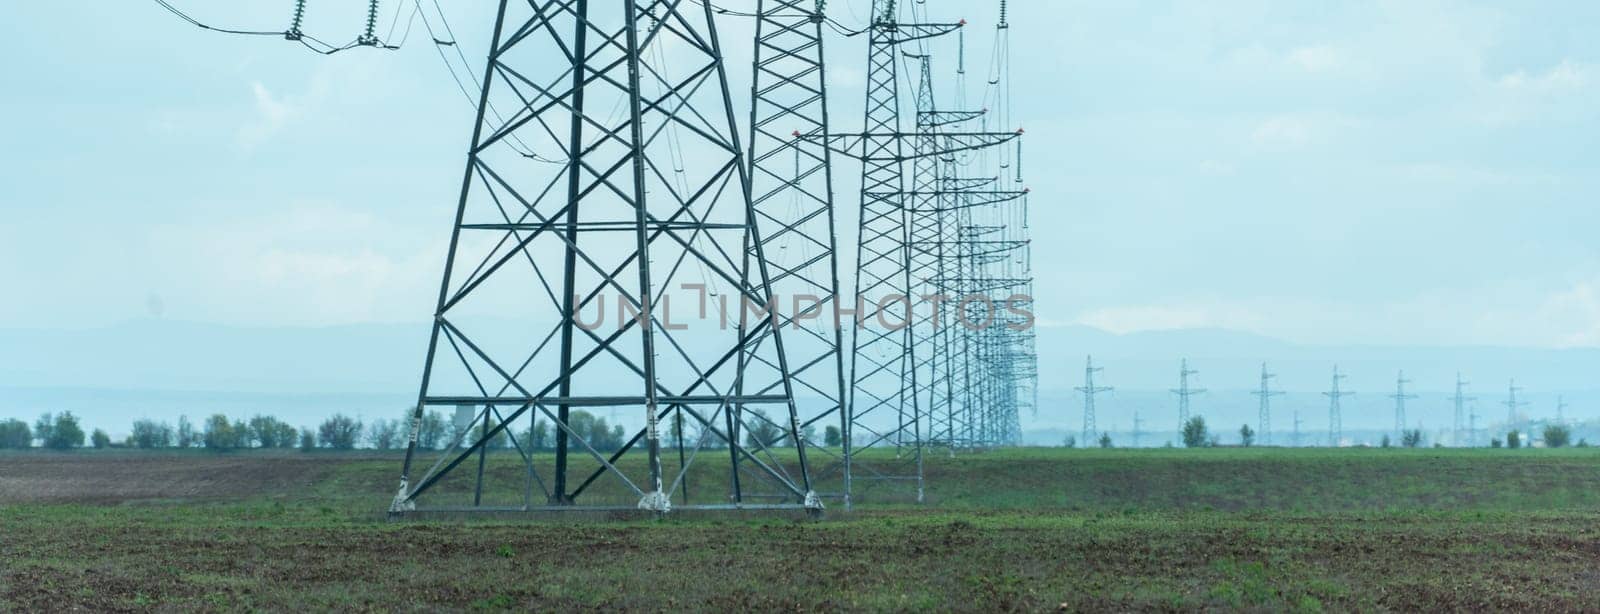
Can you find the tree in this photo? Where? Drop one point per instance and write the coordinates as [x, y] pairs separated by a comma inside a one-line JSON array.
[[832, 437], [501, 439], [1494, 442], [759, 431], [43, 428], [100, 439], [430, 433], [1105, 440], [1557, 435], [149, 434], [1194, 433], [59, 431], [384, 434], [186, 438], [15, 434], [340, 432], [1247, 436], [220, 434], [1513, 440], [1069, 442], [1385, 442], [539, 434], [270, 432], [1411, 438], [308, 440]]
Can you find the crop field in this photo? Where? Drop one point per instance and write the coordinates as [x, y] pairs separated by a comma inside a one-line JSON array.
[[1027, 529]]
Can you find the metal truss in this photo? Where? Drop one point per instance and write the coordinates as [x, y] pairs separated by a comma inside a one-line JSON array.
[[636, 189], [887, 408], [792, 187]]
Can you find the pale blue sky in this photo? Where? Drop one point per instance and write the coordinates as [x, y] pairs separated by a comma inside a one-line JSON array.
[[1352, 172]]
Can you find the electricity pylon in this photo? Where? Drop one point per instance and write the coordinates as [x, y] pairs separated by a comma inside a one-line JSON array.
[[1266, 393], [884, 404], [1297, 428], [1335, 419], [1090, 391], [793, 197], [1137, 424], [1184, 392], [1400, 397], [623, 213], [1561, 410], [1512, 404], [1460, 400]]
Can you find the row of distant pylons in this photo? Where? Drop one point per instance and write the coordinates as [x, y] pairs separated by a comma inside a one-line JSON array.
[[1463, 432], [608, 171]]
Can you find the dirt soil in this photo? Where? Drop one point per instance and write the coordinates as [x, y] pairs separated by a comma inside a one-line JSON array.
[[108, 479]]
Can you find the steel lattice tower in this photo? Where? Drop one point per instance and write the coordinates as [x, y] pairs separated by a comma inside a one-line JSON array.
[[1184, 392], [640, 200], [1512, 404], [1400, 396], [1265, 413], [1335, 417], [1090, 391], [792, 194], [1460, 399], [885, 409]]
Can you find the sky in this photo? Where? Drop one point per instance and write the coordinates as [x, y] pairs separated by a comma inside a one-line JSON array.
[[1357, 172]]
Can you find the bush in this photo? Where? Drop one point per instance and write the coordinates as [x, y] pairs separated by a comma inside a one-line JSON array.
[[100, 440], [831, 437], [1557, 436], [1495, 443], [15, 434], [1195, 434], [1513, 440], [1105, 440], [1385, 442], [1247, 436], [1069, 442], [1411, 438], [340, 432], [308, 439]]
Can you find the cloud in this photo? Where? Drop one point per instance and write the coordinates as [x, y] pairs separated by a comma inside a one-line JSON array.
[[272, 113], [1282, 132], [1316, 59], [1566, 76]]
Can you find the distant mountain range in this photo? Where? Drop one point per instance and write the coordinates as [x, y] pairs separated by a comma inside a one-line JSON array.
[[161, 368]]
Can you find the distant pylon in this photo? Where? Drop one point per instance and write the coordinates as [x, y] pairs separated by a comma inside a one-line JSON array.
[[1460, 400], [1296, 428], [1184, 392], [1137, 424], [1512, 404], [1335, 419], [1266, 393], [1400, 397], [1089, 391], [1561, 410]]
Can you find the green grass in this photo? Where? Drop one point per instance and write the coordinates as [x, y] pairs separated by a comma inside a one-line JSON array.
[[1242, 529]]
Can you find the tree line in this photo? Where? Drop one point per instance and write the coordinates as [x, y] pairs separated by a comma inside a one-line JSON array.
[[64, 431]]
